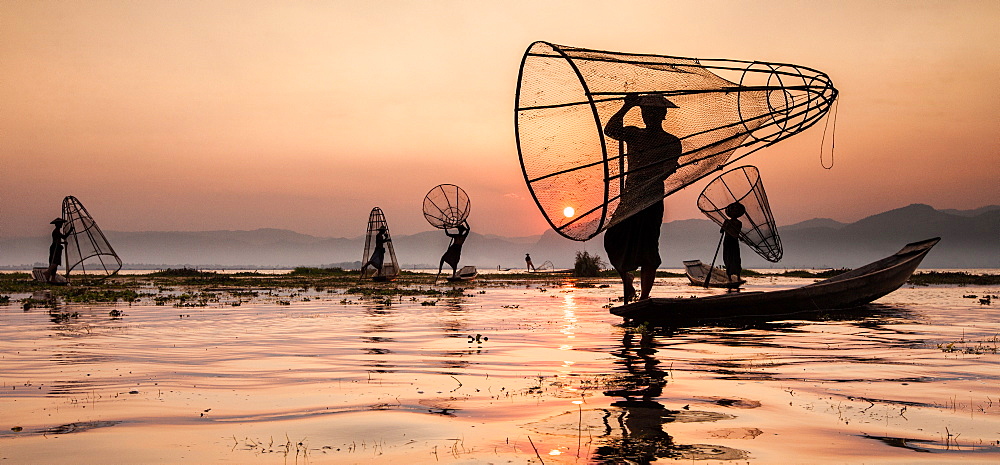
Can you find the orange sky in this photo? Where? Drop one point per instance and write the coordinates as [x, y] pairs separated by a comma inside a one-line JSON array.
[[191, 115]]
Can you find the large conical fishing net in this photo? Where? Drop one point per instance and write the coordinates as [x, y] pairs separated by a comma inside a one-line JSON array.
[[390, 267], [446, 206], [579, 177], [87, 250], [743, 185]]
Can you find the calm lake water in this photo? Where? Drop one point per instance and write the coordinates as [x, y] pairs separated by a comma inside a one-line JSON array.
[[512, 372]]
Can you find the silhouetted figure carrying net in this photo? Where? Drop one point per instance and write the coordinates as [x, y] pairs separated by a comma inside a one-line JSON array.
[[736, 201], [87, 249], [731, 229], [447, 206], [633, 241], [59, 235], [378, 243], [454, 253], [743, 186], [578, 173], [587, 173]]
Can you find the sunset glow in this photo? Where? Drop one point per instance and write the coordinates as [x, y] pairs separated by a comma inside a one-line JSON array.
[[568, 212], [282, 120]]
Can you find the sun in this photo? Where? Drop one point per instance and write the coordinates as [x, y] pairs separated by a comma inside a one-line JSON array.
[[568, 212]]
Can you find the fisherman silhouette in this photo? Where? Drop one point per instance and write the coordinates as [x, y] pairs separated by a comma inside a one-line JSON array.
[[652, 155], [527, 261], [454, 252], [56, 249], [378, 255], [731, 242]]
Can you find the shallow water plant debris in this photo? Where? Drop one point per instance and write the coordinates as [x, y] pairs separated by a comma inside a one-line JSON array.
[[985, 346]]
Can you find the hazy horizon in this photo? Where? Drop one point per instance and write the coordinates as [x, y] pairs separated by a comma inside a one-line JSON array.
[[362, 233]]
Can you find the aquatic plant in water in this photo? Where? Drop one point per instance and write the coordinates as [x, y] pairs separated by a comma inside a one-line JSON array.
[[587, 265]]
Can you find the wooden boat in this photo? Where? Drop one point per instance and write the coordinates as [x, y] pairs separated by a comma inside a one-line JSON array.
[[467, 273], [850, 289], [697, 272], [38, 273]]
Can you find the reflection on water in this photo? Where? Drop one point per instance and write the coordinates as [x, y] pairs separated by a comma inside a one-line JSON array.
[[641, 418], [505, 373]]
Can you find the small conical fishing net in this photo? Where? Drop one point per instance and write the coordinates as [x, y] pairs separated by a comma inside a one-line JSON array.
[[87, 250], [446, 206], [584, 180], [743, 185], [389, 268]]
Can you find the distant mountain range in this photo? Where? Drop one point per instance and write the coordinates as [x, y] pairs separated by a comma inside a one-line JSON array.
[[969, 239]]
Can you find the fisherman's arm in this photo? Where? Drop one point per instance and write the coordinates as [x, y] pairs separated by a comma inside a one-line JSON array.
[[615, 127]]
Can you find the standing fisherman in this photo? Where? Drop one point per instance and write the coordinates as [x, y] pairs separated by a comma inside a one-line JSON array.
[[731, 243], [378, 255], [652, 156], [56, 249], [454, 252]]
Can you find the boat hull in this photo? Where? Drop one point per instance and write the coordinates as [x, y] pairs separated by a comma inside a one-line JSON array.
[[697, 272], [467, 273], [851, 289]]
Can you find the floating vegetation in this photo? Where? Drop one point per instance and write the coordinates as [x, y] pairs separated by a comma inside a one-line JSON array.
[[394, 291], [259, 446], [4, 299], [800, 273], [309, 271], [18, 282], [100, 295], [953, 277], [456, 292], [198, 299], [62, 317], [182, 273], [984, 346]]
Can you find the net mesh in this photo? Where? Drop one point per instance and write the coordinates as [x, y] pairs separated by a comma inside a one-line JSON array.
[[584, 181], [743, 185], [87, 249], [389, 266], [446, 206]]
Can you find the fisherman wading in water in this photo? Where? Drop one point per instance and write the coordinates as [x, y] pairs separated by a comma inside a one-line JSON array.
[[652, 155]]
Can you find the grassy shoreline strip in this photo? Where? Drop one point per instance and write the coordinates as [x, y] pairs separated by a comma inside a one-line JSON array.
[[130, 287]]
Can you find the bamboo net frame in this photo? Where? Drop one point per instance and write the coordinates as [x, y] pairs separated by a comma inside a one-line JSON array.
[[725, 110]]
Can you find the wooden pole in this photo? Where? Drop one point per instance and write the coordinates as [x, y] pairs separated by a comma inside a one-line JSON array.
[[712, 267]]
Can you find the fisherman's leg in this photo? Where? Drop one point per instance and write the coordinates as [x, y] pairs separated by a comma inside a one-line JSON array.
[[646, 278], [627, 278]]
